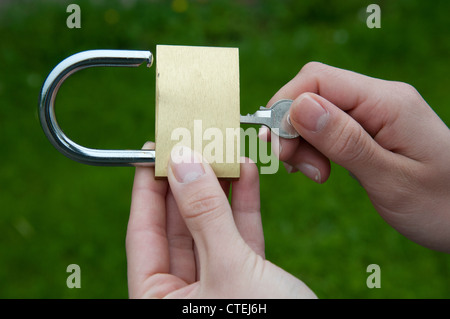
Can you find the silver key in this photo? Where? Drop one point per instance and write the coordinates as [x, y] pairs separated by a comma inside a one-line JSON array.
[[276, 118]]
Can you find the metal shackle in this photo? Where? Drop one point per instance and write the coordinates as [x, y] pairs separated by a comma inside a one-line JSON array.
[[76, 62]]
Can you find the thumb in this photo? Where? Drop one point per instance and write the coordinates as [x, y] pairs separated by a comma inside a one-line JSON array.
[[337, 135], [202, 204]]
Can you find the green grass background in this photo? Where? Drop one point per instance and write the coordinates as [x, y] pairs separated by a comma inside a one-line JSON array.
[[54, 212]]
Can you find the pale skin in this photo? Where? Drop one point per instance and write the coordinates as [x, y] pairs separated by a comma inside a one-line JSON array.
[[385, 134], [185, 240]]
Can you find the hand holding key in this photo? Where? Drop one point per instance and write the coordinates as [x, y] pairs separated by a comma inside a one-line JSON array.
[[385, 134]]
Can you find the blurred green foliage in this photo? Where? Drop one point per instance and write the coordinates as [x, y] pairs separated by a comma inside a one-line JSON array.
[[54, 212]]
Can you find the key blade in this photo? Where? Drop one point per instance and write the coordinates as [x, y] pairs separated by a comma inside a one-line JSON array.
[[275, 118], [261, 117]]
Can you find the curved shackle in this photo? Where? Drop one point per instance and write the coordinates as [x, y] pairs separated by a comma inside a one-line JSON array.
[[74, 151]]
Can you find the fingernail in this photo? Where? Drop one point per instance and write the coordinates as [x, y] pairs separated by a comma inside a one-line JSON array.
[[186, 165], [309, 113], [289, 168], [310, 171]]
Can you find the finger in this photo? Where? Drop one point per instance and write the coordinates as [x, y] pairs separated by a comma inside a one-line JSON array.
[[245, 204], [183, 257], [181, 244], [359, 95], [309, 161], [299, 155], [203, 205], [146, 241], [337, 135]]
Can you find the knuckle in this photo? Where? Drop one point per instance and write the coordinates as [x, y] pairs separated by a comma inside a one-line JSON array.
[[204, 204], [350, 143], [312, 66], [405, 87], [409, 101], [408, 92]]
